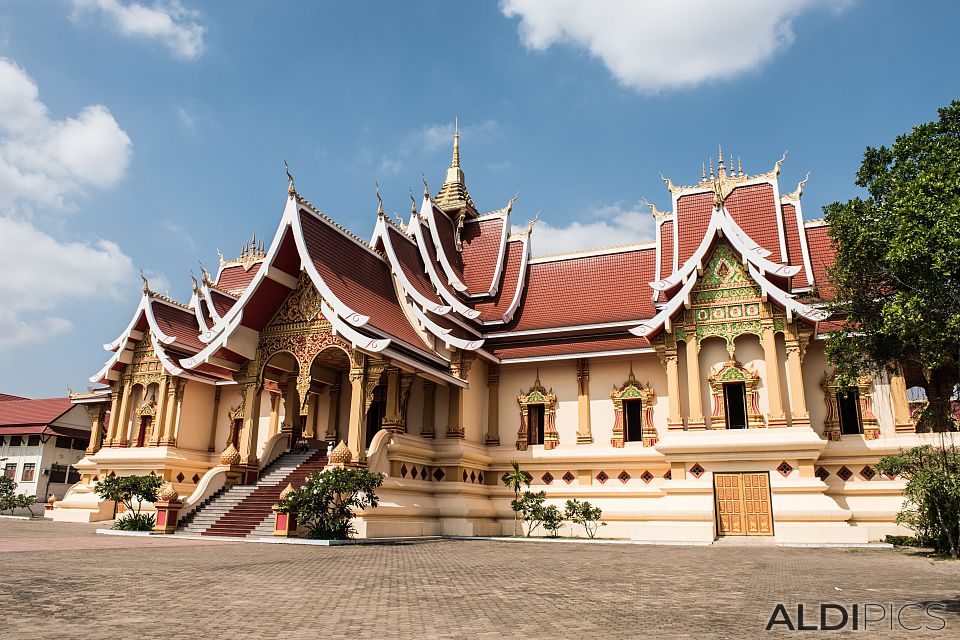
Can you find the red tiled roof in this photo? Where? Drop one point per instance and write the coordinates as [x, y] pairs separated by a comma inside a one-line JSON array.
[[358, 277], [7, 396], [235, 278], [221, 303], [666, 249], [494, 308], [821, 257], [585, 290], [568, 346], [754, 209], [445, 231], [32, 412], [481, 251], [693, 217], [794, 250], [412, 264], [179, 323]]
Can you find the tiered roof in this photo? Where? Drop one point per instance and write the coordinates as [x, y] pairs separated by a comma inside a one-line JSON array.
[[450, 278]]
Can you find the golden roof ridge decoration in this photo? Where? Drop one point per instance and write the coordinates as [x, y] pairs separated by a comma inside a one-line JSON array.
[[657, 214], [797, 193], [303, 201], [502, 211], [731, 179], [150, 293]]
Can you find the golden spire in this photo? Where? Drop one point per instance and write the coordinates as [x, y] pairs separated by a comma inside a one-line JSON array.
[[455, 161], [721, 169], [711, 168], [703, 171], [739, 167]]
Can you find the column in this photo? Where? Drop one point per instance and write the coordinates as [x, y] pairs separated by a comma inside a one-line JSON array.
[[668, 356], [493, 405], [455, 413], [115, 395], [768, 339], [274, 427], [695, 421], [174, 395], [211, 447], [356, 428], [251, 430], [393, 418], [291, 407], [310, 423], [161, 412], [120, 428], [584, 430], [901, 405], [96, 425], [798, 404], [429, 408], [333, 415]]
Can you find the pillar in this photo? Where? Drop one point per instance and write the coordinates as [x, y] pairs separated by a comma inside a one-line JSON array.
[[274, 427], [798, 404], [333, 415], [291, 407], [429, 408], [901, 405], [393, 416], [455, 413], [493, 406], [768, 340], [212, 445], [695, 421], [250, 431], [310, 423], [174, 395], [96, 428], [161, 413], [356, 428], [669, 358], [119, 438], [584, 430], [115, 396]]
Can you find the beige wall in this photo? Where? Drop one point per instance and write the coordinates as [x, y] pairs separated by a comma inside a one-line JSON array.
[[196, 407], [814, 367], [475, 403]]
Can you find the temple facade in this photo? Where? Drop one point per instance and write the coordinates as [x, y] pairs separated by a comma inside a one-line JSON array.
[[681, 385]]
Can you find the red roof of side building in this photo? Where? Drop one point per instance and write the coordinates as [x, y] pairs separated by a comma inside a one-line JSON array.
[[178, 323], [234, 278], [821, 257], [569, 346], [482, 242], [593, 289], [360, 278], [32, 412]]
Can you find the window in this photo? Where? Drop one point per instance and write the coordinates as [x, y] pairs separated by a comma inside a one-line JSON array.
[[73, 476], [535, 414], [16, 441], [80, 443], [632, 415], [145, 422], [33, 441], [848, 405], [10, 471], [28, 470], [62, 442], [58, 474], [735, 404]]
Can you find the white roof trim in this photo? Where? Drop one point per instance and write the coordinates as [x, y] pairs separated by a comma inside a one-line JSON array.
[[521, 278], [198, 312], [786, 300], [357, 339], [212, 347], [752, 251], [122, 339], [576, 356], [581, 327], [590, 253], [663, 317], [442, 290], [208, 298], [452, 278], [501, 255], [383, 232], [443, 333]]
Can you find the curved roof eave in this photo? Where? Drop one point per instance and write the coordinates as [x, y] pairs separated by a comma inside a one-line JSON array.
[[452, 279], [665, 315], [521, 281], [445, 334], [786, 300], [442, 291], [501, 256], [383, 233]]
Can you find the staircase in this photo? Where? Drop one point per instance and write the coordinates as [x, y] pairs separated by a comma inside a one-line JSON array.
[[246, 511]]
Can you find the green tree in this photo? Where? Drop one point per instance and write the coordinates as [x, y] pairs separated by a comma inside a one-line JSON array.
[[897, 268], [932, 495], [132, 492], [327, 501], [8, 500], [516, 480], [584, 514], [535, 512]]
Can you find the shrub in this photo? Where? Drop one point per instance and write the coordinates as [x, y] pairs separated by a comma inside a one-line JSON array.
[[516, 480], [326, 502], [584, 514], [131, 492], [535, 512], [932, 496]]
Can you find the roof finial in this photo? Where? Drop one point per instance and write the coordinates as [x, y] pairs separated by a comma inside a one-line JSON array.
[[711, 169], [146, 285], [776, 167], [536, 217], [196, 285], [721, 169], [291, 189], [739, 167], [426, 189], [802, 183], [379, 200], [413, 203], [455, 162], [512, 200], [703, 171]]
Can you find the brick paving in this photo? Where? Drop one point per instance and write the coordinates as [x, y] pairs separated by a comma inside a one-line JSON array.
[[63, 581]]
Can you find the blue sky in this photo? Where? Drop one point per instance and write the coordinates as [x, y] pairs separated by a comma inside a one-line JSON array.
[[148, 135]]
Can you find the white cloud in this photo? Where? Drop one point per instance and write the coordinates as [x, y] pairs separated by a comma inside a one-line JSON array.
[[181, 234], [47, 163], [187, 117], [652, 45], [170, 23], [605, 226]]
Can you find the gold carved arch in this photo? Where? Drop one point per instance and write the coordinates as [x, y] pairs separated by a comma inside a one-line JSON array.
[[633, 390], [733, 371], [537, 394], [832, 388]]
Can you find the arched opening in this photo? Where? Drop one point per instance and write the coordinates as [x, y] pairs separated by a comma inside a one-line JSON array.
[[328, 400], [280, 371]]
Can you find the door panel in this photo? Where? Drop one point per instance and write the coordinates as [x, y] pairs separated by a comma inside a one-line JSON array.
[[743, 504]]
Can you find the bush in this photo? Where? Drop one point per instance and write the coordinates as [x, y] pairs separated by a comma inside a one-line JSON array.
[[131, 492], [932, 496], [9, 501], [903, 541], [584, 514], [535, 512], [136, 522], [326, 502]]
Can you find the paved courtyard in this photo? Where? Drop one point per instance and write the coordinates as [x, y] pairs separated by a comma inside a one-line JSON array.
[[64, 581]]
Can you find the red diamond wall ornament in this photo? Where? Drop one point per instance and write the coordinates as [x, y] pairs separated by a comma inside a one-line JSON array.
[[646, 476], [568, 477], [602, 477], [547, 478], [623, 477], [697, 470]]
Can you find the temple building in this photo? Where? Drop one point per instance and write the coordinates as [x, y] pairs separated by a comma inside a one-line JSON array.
[[681, 385]]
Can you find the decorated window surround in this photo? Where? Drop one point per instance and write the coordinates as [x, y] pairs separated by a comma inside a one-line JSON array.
[[537, 394], [733, 371], [868, 421], [633, 390]]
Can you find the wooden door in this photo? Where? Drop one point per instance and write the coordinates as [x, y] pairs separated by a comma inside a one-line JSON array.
[[743, 504]]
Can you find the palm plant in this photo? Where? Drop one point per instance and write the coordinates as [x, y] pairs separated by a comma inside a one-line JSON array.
[[516, 480]]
